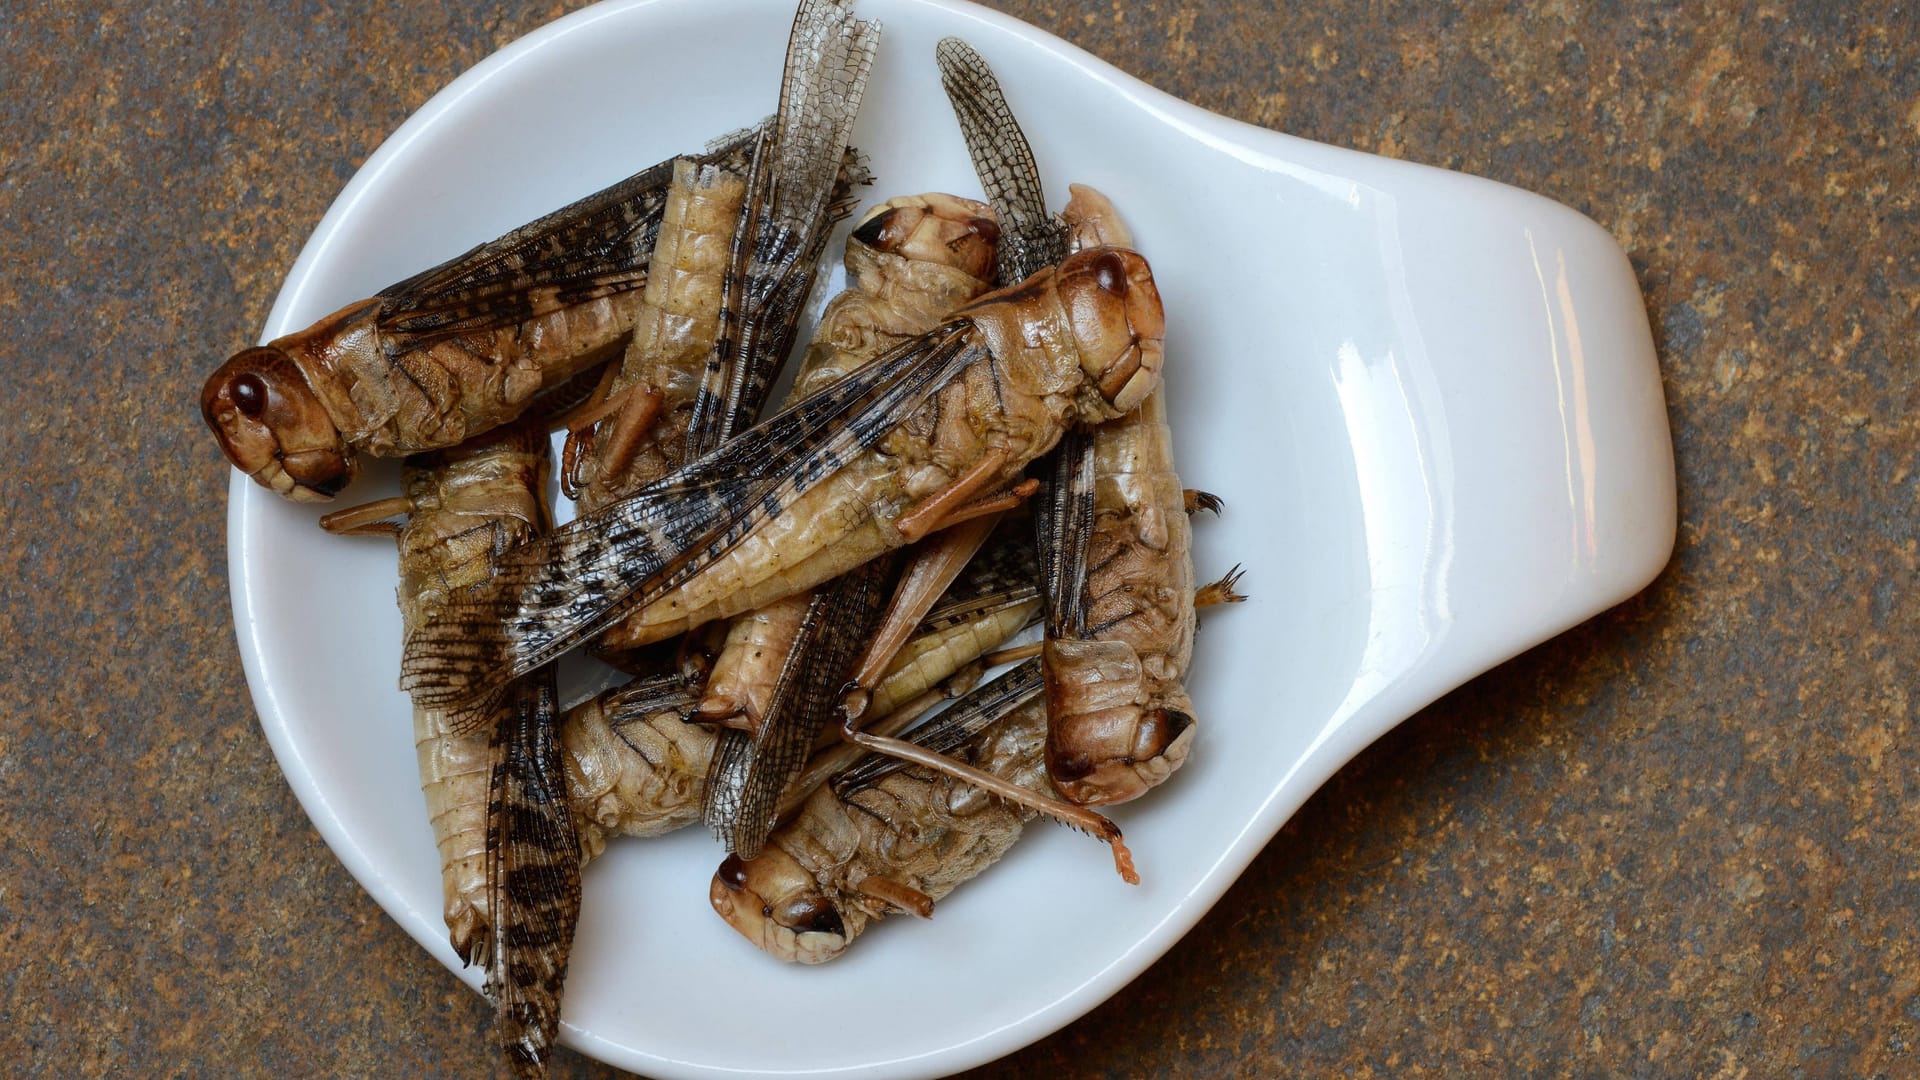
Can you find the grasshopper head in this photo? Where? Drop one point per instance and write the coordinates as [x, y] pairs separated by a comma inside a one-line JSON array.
[[1114, 311], [273, 428], [943, 229], [1110, 736], [1158, 739], [775, 903]]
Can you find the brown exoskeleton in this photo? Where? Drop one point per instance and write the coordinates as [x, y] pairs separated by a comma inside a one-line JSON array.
[[1119, 719], [510, 857], [472, 343], [878, 460], [450, 352], [910, 262]]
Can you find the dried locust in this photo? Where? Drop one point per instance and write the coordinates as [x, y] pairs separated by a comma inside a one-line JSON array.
[[510, 856], [460, 508], [450, 352], [1114, 538], [1119, 719], [470, 344], [1031, 238]]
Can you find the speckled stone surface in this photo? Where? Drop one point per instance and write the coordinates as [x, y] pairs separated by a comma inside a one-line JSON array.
[[1679, 840]]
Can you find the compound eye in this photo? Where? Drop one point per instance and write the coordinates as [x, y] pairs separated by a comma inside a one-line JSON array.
[[1110, 273], [249, 394], [890, 229], [733, 873], [869, 232], [813, 915]]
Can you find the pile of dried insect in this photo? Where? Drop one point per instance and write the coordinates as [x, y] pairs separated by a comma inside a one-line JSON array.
[[975, 443]]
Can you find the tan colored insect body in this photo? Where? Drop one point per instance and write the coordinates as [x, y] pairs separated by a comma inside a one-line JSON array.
[[840, 864], [1079, 344], [464, 507], [910, 262], [448, 353], [632, 775], [1119, 719], [510, 854]]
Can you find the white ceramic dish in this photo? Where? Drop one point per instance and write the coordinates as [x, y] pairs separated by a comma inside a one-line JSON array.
[[1430, 402]]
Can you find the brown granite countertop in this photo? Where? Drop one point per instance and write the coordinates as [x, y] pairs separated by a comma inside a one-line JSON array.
[[1679, 840]]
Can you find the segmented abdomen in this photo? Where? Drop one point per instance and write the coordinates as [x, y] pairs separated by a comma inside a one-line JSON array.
[[467, 504], [674, 332]]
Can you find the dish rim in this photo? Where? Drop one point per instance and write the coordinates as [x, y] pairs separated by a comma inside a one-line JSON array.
[[1288, 793]]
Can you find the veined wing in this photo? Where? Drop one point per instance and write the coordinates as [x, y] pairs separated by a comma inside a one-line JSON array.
[[798, 189], [560, 589], [594, 247], [1030, 238], [533, 877], [749, 772], [1064, 524]]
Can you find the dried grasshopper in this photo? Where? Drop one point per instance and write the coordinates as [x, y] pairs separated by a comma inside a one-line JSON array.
[[1031, 236], [1114, 538], [910, 262], [1119, 719], [900, 844], [510, 857], [470, 344], [882, 458], [450, 352], [461, 507], [754, 288]]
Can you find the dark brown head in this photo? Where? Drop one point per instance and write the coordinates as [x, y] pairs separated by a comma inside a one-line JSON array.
[[1160, 739], [273, 428], [1114, 311], [775, 903], [1113, 733], [936, 228]]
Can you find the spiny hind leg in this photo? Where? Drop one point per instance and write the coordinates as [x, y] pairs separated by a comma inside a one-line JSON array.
[[579, 427], [369, 519], [1078, 817], [636, 410]]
